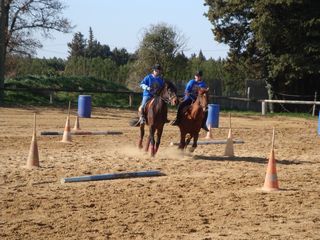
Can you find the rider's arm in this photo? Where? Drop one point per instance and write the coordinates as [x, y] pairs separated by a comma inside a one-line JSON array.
[[188, 89], [145, 83], [203, 85], [144, 87]]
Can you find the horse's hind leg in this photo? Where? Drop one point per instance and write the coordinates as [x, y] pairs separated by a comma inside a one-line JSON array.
[[159, 134], [147, 144]]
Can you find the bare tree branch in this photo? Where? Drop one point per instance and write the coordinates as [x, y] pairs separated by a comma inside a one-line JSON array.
[[30, 16]]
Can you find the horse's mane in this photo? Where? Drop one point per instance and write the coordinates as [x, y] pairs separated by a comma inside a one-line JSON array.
[[158, 104], [202, 90], [171, 86]]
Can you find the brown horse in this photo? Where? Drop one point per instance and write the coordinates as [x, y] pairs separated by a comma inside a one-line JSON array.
[[191, 120], [156, 116]]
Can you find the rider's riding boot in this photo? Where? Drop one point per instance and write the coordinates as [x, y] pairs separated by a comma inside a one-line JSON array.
[[142, 119], [204, 122], [204, 126]]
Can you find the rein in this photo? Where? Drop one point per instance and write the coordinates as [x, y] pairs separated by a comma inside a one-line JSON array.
[[166, 100], [201, 102]]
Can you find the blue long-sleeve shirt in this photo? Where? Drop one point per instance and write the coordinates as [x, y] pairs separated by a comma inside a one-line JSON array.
[[191, 90], [151, 84]]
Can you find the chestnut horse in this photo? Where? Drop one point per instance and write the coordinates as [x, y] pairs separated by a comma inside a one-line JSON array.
[[156, 116], [191, 120]]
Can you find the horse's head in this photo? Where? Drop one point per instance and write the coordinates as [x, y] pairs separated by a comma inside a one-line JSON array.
[[203, 97], [169, 93]]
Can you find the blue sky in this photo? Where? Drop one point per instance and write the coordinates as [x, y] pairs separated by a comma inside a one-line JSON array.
[[121, 24]]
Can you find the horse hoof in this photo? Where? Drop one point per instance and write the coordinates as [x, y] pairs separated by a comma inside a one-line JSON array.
[[191, 149]]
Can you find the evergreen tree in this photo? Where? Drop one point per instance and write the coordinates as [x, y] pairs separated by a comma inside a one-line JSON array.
[[288, 35], [121, 56], [77, 46], [95, 48], [201, 57], [278, 41]]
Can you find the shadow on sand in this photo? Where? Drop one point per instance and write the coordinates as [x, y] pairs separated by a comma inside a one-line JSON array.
[[248, 159]]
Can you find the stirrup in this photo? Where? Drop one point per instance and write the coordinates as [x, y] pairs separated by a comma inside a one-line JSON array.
[[139, 122], [142, 120]]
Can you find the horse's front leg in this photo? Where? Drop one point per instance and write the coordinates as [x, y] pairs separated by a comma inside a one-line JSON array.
[[141, 136], [188, 137], [159, 134], [195, 140], [182, 143], [151, 139]]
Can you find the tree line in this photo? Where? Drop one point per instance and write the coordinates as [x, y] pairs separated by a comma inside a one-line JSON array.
[[88, 57], [274, 41], [278, 41]]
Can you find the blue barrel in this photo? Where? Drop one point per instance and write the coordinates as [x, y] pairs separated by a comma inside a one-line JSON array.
[[213, 115], [319, 124], [84, 106]]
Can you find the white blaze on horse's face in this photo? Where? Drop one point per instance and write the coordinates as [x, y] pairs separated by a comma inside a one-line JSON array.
[[170, 95], [173, 98], [202, 94], [175, 101]]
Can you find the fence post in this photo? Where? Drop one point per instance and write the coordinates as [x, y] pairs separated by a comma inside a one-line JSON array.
[[214, 93], [248, 97], [263, 108], [51, 97], [314, 105], [130, 99]]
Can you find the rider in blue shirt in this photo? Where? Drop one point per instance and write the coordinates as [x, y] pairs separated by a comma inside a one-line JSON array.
[[151, 84], [190, 95]]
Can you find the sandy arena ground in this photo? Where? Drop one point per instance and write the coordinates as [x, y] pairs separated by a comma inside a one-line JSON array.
[[204, 195]]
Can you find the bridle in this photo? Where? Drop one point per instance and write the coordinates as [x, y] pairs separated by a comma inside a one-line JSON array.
[[168, 99], [201, 96]]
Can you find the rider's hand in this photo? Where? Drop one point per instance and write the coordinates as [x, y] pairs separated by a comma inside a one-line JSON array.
[[148, 88]]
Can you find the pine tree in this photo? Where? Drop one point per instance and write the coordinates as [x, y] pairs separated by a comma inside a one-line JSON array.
[[77, 46]]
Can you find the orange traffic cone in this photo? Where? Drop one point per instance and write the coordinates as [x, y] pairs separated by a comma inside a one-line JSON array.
[[271, 179], [77, 124], [66, 138], [229, 146], [33, 157]]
